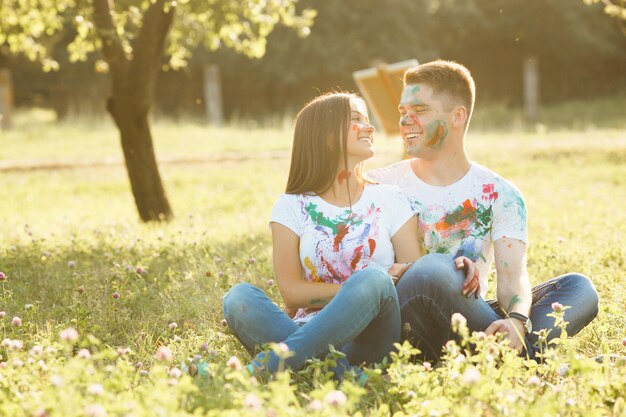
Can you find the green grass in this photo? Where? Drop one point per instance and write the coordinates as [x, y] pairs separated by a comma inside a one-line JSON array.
[[70, 239]]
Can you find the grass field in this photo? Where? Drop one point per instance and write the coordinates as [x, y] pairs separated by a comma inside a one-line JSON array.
[[75, 256]]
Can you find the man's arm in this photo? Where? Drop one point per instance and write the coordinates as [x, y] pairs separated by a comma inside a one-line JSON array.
[[513, 289]]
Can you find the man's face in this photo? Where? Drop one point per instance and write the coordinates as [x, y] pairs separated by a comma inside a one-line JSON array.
[[423, 120]]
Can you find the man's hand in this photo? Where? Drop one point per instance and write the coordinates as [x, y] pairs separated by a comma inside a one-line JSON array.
[[512, 329], [397, 270], [471, 286]]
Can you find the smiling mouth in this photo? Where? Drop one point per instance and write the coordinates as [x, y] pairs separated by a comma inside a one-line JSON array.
[[367, 139], [412, 136]]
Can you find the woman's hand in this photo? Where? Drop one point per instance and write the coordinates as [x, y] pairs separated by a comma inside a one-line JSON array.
[[397, 270], [471, 286]]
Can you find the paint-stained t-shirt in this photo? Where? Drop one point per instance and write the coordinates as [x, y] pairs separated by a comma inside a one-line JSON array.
[[336, 242], [464, 218]]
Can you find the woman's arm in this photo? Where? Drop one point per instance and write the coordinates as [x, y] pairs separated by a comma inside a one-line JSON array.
[[406, 248], [295, 290], [406, 242]]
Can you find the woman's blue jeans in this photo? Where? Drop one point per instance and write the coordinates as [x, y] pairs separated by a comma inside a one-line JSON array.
[[362, 320], [430, 292]]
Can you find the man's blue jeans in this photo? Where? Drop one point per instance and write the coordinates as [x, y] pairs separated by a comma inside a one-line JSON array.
[[362, 320], [430, 292]]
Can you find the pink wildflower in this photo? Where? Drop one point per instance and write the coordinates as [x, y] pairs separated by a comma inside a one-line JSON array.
[[269, 282], [458, 320], [283, 348], [316, 405], [223, 323], [336, 398], [234, 363], [471, 376], [556, 306], [164, 354], [16, 321], [624, 341], [534, 381], [141, 271], [71, 264], [83, 354], [204, 347], [95, 389], [3, 276], [115, 295], [69, 335], [95, 410], [252, 402], [173, 326], [3, 314], [252, 260]]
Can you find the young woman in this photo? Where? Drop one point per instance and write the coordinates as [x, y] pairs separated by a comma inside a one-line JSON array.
[[336, 240]]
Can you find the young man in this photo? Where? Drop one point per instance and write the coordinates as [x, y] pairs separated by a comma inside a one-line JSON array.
[[467, 210]]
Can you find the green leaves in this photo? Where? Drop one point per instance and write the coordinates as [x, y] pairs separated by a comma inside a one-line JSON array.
[[32, 27]]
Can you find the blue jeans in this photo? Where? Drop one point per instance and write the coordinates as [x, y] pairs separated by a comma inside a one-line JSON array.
[[362, 320], [430, 291]]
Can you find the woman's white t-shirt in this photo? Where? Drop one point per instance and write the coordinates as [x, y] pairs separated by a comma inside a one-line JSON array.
[[336, 242]]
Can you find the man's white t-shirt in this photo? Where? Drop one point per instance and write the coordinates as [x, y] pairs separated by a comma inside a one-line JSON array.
[[464, 218], [336, 242]]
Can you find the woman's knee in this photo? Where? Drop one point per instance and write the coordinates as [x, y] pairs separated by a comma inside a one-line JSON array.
[[237, 298], [435, 272], [371, 283]]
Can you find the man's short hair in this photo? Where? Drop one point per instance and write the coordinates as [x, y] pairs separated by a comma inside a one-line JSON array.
[[446, 78]]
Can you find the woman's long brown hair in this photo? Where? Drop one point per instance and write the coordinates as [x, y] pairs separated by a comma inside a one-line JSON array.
[[320, 132]]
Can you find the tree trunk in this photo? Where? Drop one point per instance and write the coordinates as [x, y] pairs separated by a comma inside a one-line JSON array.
[[134, 78], [141, 164]]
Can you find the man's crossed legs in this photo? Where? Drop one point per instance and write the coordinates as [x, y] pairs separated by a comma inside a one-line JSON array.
[[430, 291]]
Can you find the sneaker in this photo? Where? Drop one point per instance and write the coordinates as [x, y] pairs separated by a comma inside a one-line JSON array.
[[196, 367]]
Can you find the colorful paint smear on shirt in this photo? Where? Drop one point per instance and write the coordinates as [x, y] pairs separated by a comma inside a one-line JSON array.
[[361, 230]]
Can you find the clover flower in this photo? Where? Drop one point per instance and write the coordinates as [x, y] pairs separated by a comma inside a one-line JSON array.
[[252, 402], [164, 354], [557, 307], [95, 410], [95, 389], [16, 321], [471, 376], [83, 354], [115, 295], [173, 326], [69, 335], [234, 363], [534, 381], [335, 398], [3, 276], [458, 320]]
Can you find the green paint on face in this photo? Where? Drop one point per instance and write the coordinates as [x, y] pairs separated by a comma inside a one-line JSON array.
[[408, 95], [437, 132]]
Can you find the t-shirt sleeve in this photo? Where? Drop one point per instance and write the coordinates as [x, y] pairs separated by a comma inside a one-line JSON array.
[[509, 214], [286, 211], [400, 207], [387, 175]]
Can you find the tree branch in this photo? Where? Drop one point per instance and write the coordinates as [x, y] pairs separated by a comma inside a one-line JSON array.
[[111, 43], [148, 50]]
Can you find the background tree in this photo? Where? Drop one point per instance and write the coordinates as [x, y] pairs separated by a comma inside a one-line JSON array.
[[137, 39], [615, 9]]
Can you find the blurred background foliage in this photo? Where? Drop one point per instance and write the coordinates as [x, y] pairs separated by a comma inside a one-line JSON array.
[[581, 53]]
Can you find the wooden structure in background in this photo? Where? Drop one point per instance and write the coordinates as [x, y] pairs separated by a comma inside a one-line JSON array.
[[6, 99], [531, 89], [213, 95], [381, 87]]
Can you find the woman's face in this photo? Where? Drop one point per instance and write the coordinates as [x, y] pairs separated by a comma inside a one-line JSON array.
[[360, 132]]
